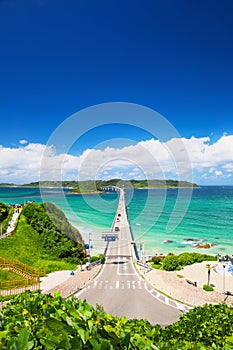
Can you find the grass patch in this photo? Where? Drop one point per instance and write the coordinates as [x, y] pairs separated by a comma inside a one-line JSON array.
[[180, 276], [208, 288], [6, 275], [156, 266]]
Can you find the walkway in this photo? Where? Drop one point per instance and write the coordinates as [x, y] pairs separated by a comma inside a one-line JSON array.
[[65, 283], [12, 223]]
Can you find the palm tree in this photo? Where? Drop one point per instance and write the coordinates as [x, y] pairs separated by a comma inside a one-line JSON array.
[[208, 266]]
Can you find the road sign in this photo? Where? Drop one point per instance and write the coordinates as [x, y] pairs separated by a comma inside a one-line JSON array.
[[87, 246], [110, 238]]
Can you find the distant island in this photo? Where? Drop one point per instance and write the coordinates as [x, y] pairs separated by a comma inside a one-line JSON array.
[[95, 186]]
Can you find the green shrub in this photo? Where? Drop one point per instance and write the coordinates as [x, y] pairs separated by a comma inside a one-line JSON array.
[[192, 258], [206, 327], [208, 288], [156, 260], [95, 258], [4, 211], [170, 263]]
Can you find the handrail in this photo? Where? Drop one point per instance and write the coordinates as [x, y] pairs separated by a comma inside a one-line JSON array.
[[21, 267]]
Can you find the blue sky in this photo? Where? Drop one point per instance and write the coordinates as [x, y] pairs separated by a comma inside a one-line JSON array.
[[174, 56]]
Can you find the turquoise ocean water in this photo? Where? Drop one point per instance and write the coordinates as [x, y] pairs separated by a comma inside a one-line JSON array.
[[209, 217]]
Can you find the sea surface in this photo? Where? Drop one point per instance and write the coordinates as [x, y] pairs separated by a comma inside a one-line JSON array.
[[208, 217]]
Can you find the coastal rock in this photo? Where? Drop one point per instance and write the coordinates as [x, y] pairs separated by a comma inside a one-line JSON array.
[[204, 245]]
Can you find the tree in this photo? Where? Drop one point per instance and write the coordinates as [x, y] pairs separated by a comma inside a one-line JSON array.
[[208, 266], [4, 210], [170, 262]]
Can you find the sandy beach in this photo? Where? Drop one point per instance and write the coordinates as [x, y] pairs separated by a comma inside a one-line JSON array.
[[175, 285]]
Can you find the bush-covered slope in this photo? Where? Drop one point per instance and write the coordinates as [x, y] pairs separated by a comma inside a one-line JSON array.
[[4, 211], [56, 235], [39, 243], [45, 322]]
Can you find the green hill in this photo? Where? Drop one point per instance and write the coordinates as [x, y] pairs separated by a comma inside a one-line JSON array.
[[44, 239]]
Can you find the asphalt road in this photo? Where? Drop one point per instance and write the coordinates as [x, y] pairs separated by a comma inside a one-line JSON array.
[[120, 289]]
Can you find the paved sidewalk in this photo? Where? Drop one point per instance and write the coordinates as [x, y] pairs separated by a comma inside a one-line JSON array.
[[65, 283]]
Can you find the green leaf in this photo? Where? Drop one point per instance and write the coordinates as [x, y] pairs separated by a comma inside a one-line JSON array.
[[23, 337], [95, 344], [76, 343], [105, 345], [126, 341], [81, 333]]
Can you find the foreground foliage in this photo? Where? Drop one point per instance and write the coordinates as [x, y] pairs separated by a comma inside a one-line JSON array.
[[37, 321]]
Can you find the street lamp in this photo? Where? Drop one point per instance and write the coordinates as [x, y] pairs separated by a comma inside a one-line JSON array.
[[89, 250], [224, 267]]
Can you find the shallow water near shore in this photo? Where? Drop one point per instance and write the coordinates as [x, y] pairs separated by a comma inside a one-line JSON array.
[[209, 217]]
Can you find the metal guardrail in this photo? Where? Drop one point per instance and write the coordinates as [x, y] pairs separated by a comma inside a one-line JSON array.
[[147, 266], [94, 263], [132, 235]]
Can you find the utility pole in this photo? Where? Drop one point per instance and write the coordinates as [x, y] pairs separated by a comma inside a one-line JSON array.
[[89, 249], [143, 257], [224, 267]]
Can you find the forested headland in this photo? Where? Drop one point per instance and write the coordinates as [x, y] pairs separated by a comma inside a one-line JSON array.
[[94, 186]]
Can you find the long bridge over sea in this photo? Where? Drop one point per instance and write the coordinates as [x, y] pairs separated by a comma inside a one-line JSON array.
[[119, 287], [117, 222]]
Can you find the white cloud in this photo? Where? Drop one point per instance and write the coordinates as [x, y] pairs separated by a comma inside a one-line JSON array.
[[228, 167], [218, 172], [23, 142], [151, 159]]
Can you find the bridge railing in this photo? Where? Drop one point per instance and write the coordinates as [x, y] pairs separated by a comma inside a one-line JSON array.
[[132, 236]]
